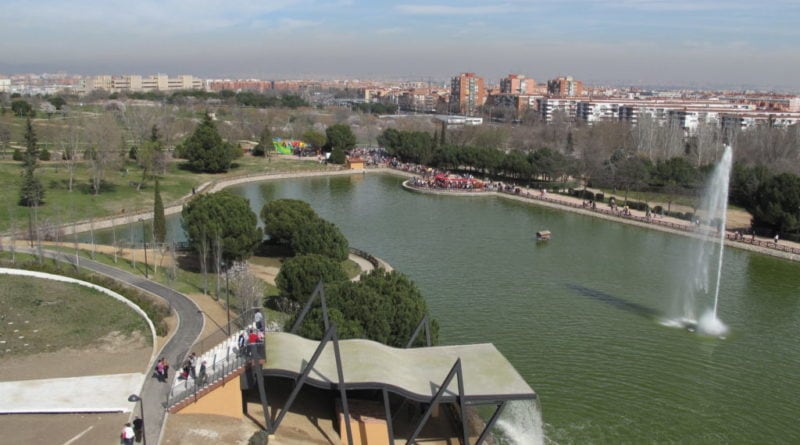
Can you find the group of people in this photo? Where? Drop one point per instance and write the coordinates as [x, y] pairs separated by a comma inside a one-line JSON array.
[[248, 341], [162, 370], [131, 432]]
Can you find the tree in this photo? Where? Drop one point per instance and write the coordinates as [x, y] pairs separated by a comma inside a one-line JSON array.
[[264, 143], [70, 141], [284, 217], [206, 151], [225, 217], [31, 193], [340, 136], [299, 276], [22, 108], [778, 205], [58, 102], [159, 219], [383, 306], [337, 156], [315, 139], [320, 237], [103, 134]]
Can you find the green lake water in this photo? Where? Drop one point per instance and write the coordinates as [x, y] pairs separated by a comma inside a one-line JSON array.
[[580, 316]]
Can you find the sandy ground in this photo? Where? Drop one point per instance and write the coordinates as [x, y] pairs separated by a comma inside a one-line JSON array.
[[116, 354]]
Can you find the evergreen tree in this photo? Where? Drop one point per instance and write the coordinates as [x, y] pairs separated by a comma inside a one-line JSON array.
[[31, 192], [159, 219], [206, 151], [264, 146]]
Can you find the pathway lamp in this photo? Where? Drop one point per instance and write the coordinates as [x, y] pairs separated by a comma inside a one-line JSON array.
[[135, 398], [144, 243]]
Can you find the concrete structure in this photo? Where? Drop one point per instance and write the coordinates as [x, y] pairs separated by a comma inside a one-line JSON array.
[[488, 376], [467, 94]]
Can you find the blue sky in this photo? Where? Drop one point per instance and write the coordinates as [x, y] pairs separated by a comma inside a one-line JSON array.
[[700, 42]]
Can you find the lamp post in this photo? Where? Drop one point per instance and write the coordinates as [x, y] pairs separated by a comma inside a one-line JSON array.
[[144, 244], [227, 297], [135, 398]]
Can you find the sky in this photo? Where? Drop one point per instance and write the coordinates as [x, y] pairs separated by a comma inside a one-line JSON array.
[[701, 43]]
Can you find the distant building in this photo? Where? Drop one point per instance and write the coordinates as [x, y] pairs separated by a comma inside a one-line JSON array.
[[5, 85], [467, 94], [137, 83], [517, 84], [565, 87]]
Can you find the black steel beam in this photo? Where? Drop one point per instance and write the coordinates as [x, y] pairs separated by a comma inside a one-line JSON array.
[[490, 424], [455, 371]]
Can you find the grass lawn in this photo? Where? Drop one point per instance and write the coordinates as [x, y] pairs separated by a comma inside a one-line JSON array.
[[118, 194], [44, 316]]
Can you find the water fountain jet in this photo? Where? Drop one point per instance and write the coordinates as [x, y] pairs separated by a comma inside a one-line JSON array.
[[706, 257]]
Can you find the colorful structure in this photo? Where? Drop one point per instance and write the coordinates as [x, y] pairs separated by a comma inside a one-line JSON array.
[[287, 146]]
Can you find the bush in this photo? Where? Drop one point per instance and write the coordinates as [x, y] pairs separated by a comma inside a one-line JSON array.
[[637, 205], [17, 155], [599, 196], [44, 155], [658, 210]]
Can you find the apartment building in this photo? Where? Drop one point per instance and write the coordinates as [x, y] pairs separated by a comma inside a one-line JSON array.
[[565, 86], [137, 83], [467, 94], [517, 84]]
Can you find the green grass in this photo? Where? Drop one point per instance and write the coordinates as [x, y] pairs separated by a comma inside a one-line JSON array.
[[351, 268], [118, 194], [43, 316]]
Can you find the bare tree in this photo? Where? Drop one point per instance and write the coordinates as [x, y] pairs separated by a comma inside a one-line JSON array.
[[103, 135], [249, 290], [70, 142], [645, 136]]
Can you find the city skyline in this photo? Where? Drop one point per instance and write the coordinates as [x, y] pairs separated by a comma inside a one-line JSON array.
[[734, 43]]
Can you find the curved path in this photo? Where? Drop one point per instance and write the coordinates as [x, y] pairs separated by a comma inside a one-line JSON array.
[[190, 324]]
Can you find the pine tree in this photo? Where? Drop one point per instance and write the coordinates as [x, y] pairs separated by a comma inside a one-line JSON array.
[[159, 219], [31, 192]]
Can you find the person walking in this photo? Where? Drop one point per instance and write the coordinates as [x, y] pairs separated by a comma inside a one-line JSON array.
[[127, 435]]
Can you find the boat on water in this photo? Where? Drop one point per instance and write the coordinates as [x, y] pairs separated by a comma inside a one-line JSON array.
[[543, 235]]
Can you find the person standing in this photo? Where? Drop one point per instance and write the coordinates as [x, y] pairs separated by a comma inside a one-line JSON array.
[[193, 365], [127, 434], [138, 429], [776, 239], [259, 319]]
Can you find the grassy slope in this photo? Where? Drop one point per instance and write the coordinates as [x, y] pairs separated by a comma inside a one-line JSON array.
[[49, 316]]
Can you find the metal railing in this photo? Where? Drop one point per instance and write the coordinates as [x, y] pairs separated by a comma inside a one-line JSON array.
[[223, 362]]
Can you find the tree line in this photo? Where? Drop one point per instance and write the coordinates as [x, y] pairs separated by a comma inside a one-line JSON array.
[[772, 199]]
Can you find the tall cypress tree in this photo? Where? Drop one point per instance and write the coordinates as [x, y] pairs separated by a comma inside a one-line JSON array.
[[159, 219], [31, 192]]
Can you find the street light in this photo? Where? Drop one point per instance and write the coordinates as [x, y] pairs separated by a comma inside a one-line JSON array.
[[144, 243], [227, 298], [135, 398]]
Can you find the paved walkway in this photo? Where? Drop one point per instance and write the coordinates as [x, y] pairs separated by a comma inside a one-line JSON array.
[[90, 394]]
